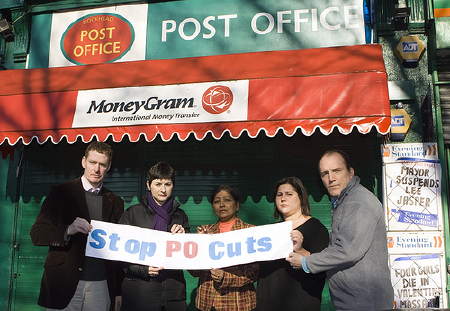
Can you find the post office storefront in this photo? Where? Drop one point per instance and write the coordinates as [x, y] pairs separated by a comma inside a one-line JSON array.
[[246, 120]]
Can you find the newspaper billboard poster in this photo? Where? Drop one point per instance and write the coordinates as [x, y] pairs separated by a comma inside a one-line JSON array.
[[417, 280], [415, 242], [412, 182]]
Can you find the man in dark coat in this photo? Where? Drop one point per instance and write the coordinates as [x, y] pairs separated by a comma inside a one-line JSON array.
[[70, 280]]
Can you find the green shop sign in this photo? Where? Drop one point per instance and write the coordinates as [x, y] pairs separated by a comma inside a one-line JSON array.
[[177, 29], [204, 27]]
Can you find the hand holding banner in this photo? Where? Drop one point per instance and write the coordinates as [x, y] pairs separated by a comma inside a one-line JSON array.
[[188, 251]]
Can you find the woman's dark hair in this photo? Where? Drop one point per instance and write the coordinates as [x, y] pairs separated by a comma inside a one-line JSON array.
[[232, 191], [161, 170], [298, 186]]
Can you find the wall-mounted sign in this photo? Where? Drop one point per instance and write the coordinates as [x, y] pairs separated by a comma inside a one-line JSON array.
[[163, 104], [97, 38], [400, 123], [418, 281], [415, 242], [415, 238], [100, 35], [410, 49], [426, 152], [412, 182], [413, 196], [176, 29]]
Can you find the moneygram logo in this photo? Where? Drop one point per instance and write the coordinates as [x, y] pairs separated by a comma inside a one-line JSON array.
[[217, 99]]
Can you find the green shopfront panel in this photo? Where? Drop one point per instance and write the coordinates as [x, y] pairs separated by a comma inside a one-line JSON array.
[[251, 164]]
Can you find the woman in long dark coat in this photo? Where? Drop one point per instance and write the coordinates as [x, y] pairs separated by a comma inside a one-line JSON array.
[[153, 288]]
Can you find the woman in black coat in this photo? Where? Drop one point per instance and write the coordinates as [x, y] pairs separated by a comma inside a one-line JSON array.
[[153, 288], [280, 286]]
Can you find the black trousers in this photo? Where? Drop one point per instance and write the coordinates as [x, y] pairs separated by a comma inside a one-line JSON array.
[[140, 295]]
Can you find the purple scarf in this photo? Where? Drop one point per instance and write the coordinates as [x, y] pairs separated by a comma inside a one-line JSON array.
[[162, 218]]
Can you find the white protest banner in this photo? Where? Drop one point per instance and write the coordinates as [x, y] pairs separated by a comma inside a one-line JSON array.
[[188, 251]]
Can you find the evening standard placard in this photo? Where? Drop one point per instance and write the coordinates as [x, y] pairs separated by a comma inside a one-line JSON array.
[[188, 251], [168, 104], [417, 280], [412, 181], [394, 153], [415, 242]]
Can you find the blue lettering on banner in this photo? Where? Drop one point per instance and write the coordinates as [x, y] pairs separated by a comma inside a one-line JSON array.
[[100, 242], [250, 245], [265, 244], [132, 246], [114, 237], [236, 251], [147, 249], [212, 247], [430, 220], [218, 250]]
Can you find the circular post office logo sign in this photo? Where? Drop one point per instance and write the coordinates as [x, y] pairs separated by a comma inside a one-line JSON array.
[[97, 38]]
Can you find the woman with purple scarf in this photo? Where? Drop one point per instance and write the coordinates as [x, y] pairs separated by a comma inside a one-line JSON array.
[[153, 288]]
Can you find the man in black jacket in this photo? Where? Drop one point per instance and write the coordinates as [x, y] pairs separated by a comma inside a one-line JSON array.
[[72, 281]]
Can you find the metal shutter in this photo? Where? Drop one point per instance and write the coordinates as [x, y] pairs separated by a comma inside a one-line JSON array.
[[251, 164]]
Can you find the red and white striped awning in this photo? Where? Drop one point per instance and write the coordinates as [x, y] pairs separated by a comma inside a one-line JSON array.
[[315, 89]]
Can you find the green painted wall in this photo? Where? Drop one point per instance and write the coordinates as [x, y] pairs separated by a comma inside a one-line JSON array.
[[7, 208]]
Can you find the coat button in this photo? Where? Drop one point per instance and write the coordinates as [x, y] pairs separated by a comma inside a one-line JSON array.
[[80, 269]]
